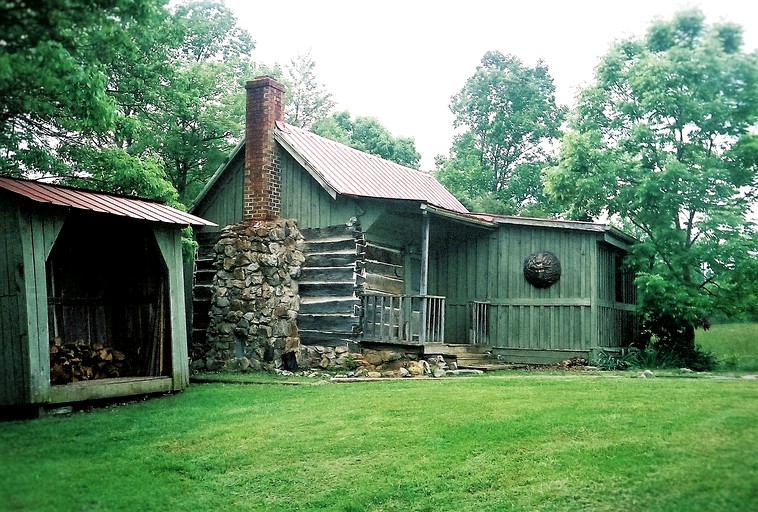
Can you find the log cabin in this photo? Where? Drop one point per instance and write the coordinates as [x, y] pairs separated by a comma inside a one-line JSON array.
[[393, 259]]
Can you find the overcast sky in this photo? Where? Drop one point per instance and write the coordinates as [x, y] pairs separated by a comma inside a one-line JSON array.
[[401, 61]]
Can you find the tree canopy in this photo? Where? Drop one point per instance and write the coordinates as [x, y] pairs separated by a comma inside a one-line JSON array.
[[509, 119], [55, 80], [369, 135], [307, 101], [661, 142], [131, 97]]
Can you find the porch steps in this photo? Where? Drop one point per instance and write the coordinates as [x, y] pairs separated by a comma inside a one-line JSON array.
[[473, 357]]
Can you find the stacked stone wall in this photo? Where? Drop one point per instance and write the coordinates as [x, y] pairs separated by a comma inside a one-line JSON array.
[[254, 303]]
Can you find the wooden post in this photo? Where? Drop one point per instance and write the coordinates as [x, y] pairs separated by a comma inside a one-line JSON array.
[[423, 289]]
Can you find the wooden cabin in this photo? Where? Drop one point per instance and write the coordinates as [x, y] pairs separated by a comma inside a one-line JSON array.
[[392, 258], [91, 295]]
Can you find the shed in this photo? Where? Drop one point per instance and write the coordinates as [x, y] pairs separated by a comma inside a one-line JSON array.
[[91, 295]]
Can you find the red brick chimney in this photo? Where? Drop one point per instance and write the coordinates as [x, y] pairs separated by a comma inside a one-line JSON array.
[[265, 106]]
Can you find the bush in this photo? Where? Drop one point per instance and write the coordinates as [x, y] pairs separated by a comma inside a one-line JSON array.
[[613, 360], [654, 356]]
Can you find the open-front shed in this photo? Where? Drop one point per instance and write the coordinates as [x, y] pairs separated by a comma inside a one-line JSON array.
[[91, 295]]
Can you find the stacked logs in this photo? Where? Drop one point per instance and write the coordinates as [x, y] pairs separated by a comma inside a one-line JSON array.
[[72, 361]]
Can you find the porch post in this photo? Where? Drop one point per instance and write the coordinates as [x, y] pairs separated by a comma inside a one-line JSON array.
[[424, 286]]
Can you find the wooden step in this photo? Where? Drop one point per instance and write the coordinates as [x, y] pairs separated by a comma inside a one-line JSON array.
[[205, 264], [203, 291]]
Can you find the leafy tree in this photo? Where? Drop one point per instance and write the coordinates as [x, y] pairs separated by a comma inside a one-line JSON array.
[[54, 80], [119, 89], [509, 118], [194, 109], [307, 101], [367, 134], [661, 141]]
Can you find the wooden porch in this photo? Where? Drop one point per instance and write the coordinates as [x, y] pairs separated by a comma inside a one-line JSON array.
[[405, 319]]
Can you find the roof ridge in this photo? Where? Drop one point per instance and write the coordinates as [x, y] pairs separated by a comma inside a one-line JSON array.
[[346, 170], [288, 126]]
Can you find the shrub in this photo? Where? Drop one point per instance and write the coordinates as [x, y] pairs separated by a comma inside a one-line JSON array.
[[616, 360]]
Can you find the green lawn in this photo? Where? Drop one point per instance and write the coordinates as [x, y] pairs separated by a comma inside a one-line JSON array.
[[513, 441], [736, 345]]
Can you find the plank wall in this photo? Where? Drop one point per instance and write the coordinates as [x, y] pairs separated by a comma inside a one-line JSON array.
[[223, 204], [14, 347], [305, 200], [490, 269]]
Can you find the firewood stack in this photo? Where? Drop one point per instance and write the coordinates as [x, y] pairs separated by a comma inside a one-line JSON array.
[[72, 361]]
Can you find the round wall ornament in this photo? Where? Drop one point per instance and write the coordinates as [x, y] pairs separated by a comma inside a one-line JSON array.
[[542, 269]]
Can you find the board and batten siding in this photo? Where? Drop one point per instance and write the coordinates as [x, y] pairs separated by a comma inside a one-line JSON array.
[[26, 241], [169, 242], [306, 201], [520, 315], [617, 299], [224, 204], [13, 326]]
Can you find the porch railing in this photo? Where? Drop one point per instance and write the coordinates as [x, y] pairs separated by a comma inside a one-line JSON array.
[[479, 322], [413, 319]]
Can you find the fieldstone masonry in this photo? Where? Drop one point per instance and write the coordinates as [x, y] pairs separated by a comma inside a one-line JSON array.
[[255, 299]]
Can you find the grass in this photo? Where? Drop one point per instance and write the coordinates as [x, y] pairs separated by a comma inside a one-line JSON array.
[[735, 345], [513, 441]]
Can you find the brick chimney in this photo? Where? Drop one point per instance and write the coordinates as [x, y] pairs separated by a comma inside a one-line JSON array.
[[265, 106]]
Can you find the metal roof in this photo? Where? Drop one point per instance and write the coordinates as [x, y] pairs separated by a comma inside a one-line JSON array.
[[100, 202], [578, 225], [347, 171]]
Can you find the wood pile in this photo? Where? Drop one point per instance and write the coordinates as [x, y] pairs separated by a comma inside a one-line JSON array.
[[72, 361]]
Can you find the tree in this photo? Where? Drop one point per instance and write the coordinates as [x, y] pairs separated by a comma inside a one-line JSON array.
[[307, 101], [510, 118], [119, 89], [369, 135], [661, 142], [193, 112], [54, 80]]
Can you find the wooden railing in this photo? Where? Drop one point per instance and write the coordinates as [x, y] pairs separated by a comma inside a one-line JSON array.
[[479, 322], [413, 319]]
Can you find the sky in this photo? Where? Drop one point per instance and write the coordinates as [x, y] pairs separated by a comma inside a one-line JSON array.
[[401, 61]]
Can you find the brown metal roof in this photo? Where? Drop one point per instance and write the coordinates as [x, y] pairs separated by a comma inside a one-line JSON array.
[[100, 202], [347, 171]]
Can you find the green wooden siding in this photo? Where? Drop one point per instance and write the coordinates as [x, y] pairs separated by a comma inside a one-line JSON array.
[[38, 232], [567, 315], [305, 200], [13, 326], [170, 245], [223, 205], [27, 236], [616, 299]]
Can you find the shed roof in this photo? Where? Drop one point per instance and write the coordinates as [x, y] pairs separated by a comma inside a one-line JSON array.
[[100, 202], [598, 227]]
